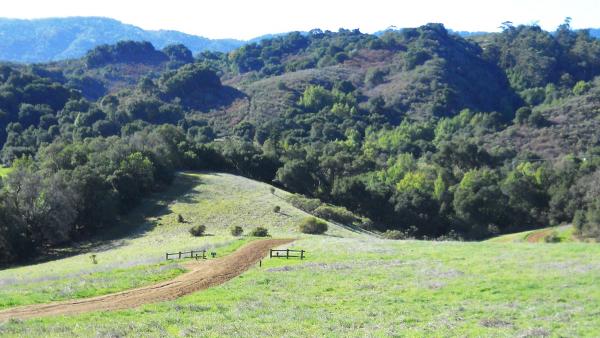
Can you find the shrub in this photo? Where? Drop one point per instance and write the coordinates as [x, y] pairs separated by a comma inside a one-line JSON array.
[[553, 237], [316, 98], [272, 190], [259, 232], [304, 203], [450, 236], [401, 234], [277, 209], [197, 230], [366, 224], [536, 119], [522, 115], [375, 76], [394, 234], [581, 87], [93, 258], [180, 218], [337, 214], [237, 230], [312, 225]]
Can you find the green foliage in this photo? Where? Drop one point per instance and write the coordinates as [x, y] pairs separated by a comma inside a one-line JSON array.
[[178, 54], [124, 52], [312, 225], [587, 219], [581, 87], [537, 119], [304, 203], [407, 137], [415, 181], [296, 176], [533, 58], [259, 232], [336, 214], [403, 164], [375, 76], [236, 230], [553, 237], [526, 189], [198, 230], [439, 187], [424, 142], [523, 114], [189, 81], [79, 187], [479, 200], [316, 98], [317, 49], [398, 234]]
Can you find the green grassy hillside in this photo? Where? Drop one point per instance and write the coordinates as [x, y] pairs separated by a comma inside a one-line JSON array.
[[4, 171], [350, 285], [556, 234], [217, 201]]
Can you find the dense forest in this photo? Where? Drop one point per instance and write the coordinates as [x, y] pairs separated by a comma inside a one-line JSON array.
[[420, 132]]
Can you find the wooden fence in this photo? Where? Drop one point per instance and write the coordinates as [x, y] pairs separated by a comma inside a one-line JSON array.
[[197, 254], [287, 253]]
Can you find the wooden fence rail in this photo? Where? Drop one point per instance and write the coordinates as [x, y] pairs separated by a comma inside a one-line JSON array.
[[197, 254], [287, 253]]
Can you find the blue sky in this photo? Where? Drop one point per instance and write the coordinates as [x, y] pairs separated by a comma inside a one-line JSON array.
[[245, 19]]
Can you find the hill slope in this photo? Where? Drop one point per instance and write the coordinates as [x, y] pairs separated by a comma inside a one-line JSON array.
[[44, 40], [217, 201], [350, 285], [563, 233], [421, 131]]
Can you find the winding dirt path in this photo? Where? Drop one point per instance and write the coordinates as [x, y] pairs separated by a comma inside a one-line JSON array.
[[202, 275]]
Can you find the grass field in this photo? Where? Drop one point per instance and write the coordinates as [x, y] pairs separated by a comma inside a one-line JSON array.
[[4, 171], [558, 234], [350, 285], [217, 201]]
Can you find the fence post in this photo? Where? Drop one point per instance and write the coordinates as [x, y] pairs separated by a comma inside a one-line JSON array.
[[179, 254], [167, 256], [301, 254], [192, 254], [287, 253]]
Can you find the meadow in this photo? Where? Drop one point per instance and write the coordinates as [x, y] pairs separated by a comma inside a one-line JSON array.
[[352, 284], [557, 234], [4, 171]]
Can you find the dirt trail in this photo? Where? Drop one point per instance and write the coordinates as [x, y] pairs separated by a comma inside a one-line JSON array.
[[202, 275], [538, 236]]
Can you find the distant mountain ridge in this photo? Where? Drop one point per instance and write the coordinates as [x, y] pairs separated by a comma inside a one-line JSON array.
[[43, 40], [53, 39]]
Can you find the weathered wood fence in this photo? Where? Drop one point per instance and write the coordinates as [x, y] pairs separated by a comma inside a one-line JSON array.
[[197, 254], [287, 253]]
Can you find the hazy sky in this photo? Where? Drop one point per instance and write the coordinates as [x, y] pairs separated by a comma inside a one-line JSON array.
[[250, 18]]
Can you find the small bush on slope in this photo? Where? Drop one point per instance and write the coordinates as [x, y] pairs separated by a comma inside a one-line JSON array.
[[197, 230], [237, 231], [312, 225], [259, 232]]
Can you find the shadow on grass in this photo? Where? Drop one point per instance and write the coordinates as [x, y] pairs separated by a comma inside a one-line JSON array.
[[356, 229], [140, 220], [330, 235]]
